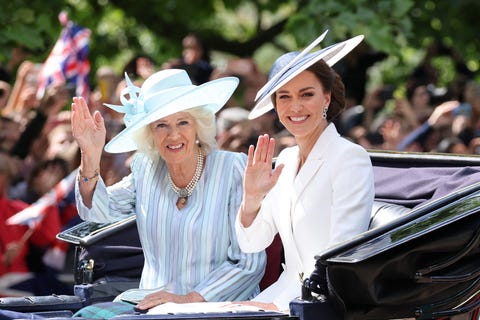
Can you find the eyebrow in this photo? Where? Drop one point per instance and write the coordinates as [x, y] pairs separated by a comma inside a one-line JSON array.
[[162, 121], [301, 90]]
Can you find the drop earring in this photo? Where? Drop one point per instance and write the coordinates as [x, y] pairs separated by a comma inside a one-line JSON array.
[[324, 113]]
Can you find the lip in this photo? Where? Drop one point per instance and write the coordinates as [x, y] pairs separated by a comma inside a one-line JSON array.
[[298, 119], [175, 147]]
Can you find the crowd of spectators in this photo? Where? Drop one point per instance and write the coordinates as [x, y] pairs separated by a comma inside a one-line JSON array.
[[37, 143]]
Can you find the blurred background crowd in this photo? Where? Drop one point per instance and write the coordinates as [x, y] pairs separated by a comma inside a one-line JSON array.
[[37, 149]]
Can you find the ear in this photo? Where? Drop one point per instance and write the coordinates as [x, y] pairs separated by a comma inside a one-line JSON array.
[[328, 97]]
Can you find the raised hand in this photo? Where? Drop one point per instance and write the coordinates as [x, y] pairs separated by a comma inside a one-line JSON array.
[[90, 133], [442, 114], [88, 130], [54, 99], [259, 177]]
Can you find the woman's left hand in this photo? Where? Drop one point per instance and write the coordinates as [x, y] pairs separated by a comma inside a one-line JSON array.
[[259, 178], [161, 297]]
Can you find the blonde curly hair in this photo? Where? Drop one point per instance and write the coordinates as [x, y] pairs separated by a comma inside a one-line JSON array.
[[206, 133]]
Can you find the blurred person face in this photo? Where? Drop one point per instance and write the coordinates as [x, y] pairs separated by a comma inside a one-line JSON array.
[[4, 93], [6, 171], [265, 123], [9, 133], [359, 135], [421, 97], [39, 145], [47, 178], [459, 148], [192, 51], [300, 104], [474, 146], [60, 140], [237, 138], [375, 100], [475, 102]]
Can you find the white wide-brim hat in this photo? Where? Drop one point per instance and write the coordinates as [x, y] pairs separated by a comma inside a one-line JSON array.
[[162, 94], [290, 64]]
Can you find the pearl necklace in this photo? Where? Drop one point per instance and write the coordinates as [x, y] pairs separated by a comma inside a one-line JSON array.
[[184, 193]]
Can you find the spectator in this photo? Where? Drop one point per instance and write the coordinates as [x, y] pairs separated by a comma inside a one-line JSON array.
[[251, 80], [10, 131], [17, 240], [139, 67], [42, 178], [416, 108], [5, 89], [428, 135], [452, 145], [23, 95], [195, 59]]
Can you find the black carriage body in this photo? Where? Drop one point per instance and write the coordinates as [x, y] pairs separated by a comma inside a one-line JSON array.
[[424, 263], [420, 258]]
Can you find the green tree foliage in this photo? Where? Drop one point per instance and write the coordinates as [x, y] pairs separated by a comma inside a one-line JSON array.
[[258, 28], [29, 24]]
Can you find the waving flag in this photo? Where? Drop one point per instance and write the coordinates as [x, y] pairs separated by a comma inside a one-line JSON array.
[[68, 62], [33, 214]]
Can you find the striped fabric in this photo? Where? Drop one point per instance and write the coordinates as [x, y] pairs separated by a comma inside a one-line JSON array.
[[193, 249]]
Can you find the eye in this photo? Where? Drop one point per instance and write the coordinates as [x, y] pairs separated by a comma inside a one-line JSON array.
[[308, 94], [160, 125], [283, 96], [183, 123]]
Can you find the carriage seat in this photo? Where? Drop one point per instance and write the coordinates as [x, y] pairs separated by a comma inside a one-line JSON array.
[[384, 212]]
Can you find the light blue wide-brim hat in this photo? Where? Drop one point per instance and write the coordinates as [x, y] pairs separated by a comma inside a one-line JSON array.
[[162, 94], [290, 64]]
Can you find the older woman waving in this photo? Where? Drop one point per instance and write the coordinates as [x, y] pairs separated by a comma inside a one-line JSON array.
[[184, 191]]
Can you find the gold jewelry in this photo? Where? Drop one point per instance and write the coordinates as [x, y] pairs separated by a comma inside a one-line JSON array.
[[84, 179], [184, 193]]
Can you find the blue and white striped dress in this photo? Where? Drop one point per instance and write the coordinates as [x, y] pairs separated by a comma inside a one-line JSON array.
[[193, 249]]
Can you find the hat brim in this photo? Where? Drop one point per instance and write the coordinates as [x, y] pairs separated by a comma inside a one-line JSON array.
[[211, 95], [330, 55]]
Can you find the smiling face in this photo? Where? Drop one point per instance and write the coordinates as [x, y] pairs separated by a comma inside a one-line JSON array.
[[175, 137], [300, 104]]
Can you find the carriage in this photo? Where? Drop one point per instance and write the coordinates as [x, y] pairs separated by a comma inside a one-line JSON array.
[[419, 259]]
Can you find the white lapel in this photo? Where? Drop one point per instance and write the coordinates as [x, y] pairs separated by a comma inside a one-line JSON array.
[[314, 160], [287, 196], [301, 180]]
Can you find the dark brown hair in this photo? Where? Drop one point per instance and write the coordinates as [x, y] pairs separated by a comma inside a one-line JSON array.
[[331, 82]]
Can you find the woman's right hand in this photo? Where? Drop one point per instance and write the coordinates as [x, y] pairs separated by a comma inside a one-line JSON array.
[[89, 131]]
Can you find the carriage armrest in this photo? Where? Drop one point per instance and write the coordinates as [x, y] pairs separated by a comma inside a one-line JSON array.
[[42, 303]]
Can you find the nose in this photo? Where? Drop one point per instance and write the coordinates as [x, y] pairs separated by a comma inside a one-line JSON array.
[[173, 132], [296, 105]]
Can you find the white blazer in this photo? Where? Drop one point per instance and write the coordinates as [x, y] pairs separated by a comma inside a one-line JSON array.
[[328, 201]]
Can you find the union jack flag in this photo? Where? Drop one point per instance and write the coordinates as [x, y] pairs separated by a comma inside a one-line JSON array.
[[68, 61]]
